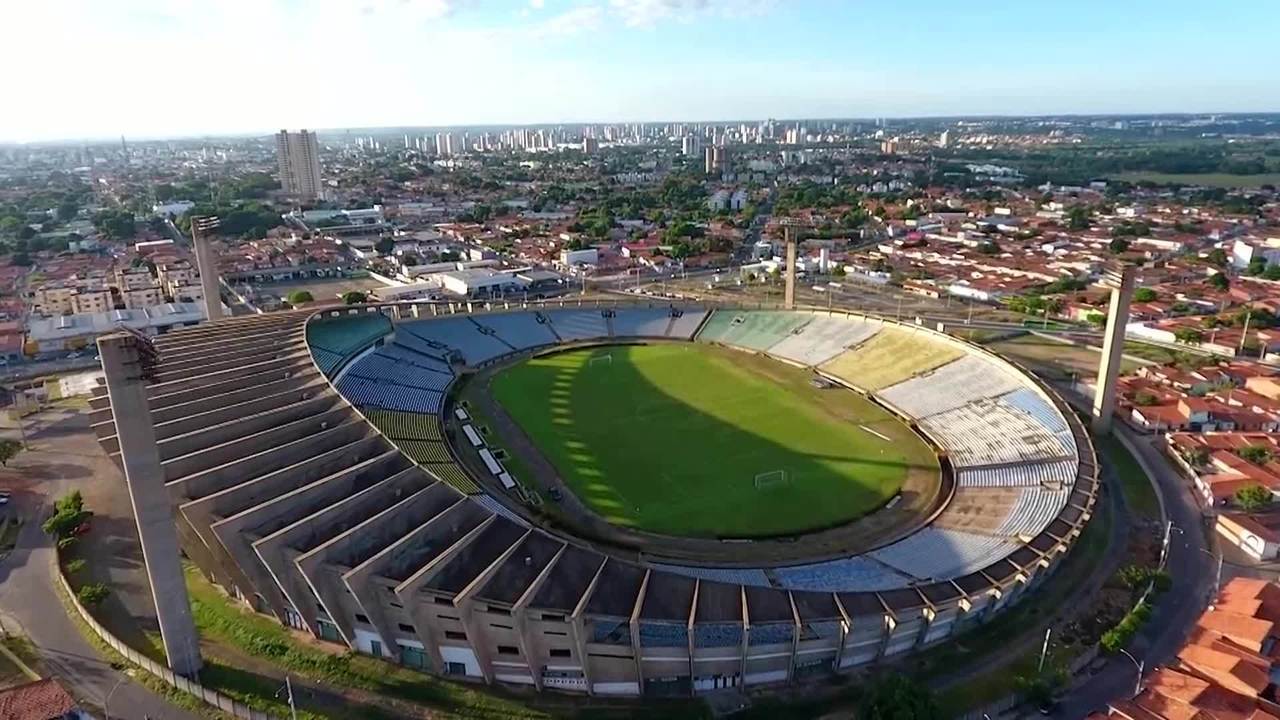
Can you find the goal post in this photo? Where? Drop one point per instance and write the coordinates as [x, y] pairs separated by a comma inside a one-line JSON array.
[[606, 359], [771, 479]]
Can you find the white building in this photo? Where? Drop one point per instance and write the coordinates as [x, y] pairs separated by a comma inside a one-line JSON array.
[[1247, 250], [299, 157], [586, 256], [174, 208]]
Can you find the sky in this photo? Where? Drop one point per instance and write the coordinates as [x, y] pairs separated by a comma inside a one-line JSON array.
[[173, 68]]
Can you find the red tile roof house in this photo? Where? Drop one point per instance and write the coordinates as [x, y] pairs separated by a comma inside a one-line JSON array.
[[40, 700]]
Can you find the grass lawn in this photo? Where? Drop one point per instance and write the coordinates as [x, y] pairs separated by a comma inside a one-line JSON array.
[[1166, 356], [1222, 180], [235, 630], [1051, 355], [671, 438], [1139, 496]]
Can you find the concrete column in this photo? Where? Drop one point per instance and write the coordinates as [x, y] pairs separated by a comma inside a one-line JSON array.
[[209, 280], [152, 508], [1104, 401], [789, 301]]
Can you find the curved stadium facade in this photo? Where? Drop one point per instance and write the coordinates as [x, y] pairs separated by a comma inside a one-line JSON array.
[[314, 477]]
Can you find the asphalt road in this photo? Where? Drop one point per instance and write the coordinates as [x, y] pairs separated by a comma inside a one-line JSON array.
[[1192, 568], [28, 599]]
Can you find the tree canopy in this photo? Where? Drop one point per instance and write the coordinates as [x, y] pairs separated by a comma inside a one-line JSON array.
[[896, 697], [1253, 498]]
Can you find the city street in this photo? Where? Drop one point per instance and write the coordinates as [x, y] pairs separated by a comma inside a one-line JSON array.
[[29, 602], [1191, 566]]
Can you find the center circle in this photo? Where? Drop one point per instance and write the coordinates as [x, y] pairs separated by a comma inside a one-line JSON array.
[[700, 441]]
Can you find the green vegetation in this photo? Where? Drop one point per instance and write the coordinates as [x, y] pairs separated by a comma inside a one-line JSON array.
[[1257, 454], [1120, 635], [223, 624], [1215, 180], [68, 515], [1253, 498], [897, 697], [354, 297], [92, 594], [672, 439], [8, 450], [1139, 496], [297, 297]]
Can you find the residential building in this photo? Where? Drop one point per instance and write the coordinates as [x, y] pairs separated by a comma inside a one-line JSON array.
[[40, 700], [299, 157], [1225, 668]]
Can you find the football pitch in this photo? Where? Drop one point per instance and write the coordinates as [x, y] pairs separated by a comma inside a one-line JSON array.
[[694, 440]]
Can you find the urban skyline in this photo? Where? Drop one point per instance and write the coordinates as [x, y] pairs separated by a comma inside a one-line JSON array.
[[443, 63]]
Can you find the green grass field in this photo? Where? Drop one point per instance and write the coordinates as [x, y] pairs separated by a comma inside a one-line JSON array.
[[670, 439], [1222, 180]]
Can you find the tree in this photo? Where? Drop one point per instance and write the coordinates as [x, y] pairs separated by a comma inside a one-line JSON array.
[[116, 224], [1145, 399], [1188, 336], [68, 514], [1219, 281], [1256, 454], [1256, 267], [298, 297], [93, 594], [1217, 256], [9, 449], [897, 697], [67, 210], [354, 297], [385, 246], [1253, 498], [1118, 245], [1096, 319], [75, 567], [1079, 218], [1272, 272], [1197, 457], [20, 259], [1144, 295], [986, 247]]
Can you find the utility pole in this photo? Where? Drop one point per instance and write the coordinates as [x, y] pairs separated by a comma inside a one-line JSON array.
[[1044, 649], [1248, 315]]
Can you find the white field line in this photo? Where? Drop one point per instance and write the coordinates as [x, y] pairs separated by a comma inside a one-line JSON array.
[[873, 432]]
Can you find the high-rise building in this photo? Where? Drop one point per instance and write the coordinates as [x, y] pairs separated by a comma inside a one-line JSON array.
[[714, 160], [689, 145], [590, 145], [299, 157], [944, 139]]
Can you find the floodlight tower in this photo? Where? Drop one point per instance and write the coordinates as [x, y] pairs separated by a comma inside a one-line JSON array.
[[209, 279], [790, 226], [128, 360], [1120, 280]]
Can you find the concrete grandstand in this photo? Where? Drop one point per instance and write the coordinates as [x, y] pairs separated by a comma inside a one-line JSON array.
[[316, 480]]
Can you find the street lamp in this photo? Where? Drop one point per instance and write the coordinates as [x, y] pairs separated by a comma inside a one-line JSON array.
[[1217, 581], [1137, 687], [106, 703], [1169, 528]]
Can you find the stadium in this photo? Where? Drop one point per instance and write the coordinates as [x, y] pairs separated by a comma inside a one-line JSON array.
[[614, 498]]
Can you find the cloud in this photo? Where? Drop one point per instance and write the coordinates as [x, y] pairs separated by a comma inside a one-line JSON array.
[[647, 13], [411, 9], [570, 22], [537, 4]]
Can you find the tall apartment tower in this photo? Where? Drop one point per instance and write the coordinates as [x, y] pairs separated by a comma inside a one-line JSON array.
[[299, 157]]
